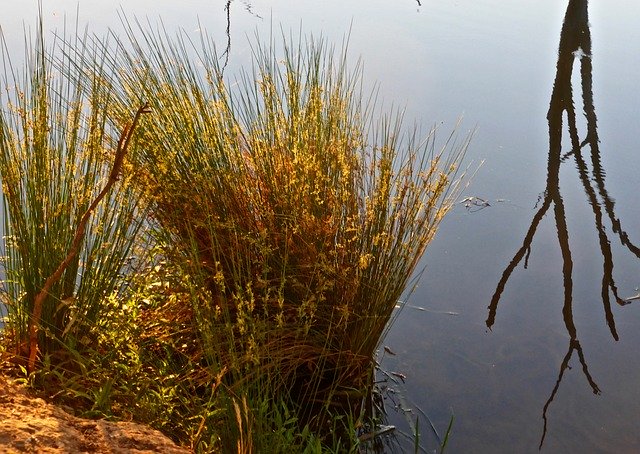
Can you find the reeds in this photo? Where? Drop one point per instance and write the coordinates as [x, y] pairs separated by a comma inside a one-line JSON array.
[[290, 215], [298, 216], [56, 142]]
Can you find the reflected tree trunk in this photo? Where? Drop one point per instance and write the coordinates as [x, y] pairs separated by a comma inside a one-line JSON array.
[[575, 44]]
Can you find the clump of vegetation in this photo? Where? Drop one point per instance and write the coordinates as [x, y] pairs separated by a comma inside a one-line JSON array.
[[55, 144], [285, 221]]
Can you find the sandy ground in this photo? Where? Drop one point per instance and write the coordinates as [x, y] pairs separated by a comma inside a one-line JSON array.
[[29, 424]]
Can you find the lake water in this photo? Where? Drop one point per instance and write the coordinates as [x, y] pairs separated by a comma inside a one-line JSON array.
[[542, 350]]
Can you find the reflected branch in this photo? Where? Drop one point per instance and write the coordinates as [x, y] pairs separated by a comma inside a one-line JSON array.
[[227, 50], [563, 367], [567, 267], [526, 247], [227, 10], [573, 345], [594, 143], [608, 283]]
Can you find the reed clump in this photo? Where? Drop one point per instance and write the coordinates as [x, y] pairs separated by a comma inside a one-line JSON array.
[[297, 213], [56, 151], [285, 213]]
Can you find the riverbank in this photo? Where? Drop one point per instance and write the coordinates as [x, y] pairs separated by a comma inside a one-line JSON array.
[[30, 424]]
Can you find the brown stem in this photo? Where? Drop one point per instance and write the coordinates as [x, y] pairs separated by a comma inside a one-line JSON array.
[[121, 150]]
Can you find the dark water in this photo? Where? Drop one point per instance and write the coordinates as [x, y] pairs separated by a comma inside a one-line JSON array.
[[541, 344]]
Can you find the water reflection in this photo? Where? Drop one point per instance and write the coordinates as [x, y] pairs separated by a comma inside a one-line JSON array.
[[575, 44]]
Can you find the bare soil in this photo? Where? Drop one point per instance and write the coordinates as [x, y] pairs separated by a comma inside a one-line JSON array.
[[29, 424]]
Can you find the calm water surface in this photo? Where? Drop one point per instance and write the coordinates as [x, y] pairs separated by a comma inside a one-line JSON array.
[[541, 352]]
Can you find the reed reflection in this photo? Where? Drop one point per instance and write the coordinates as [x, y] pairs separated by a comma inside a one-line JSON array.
[[575, 45]]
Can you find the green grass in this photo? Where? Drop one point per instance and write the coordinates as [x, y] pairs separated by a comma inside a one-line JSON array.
[[55, 145], [287, 214]]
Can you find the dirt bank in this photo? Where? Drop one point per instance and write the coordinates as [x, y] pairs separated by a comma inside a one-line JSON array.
[[29, 424]]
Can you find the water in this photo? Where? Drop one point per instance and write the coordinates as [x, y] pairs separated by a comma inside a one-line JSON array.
[[552, 341]]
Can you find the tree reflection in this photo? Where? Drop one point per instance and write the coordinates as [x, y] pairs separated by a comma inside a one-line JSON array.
[[575, 44], [227, 10]]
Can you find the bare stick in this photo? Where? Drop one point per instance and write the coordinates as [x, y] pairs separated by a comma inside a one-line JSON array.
[[121, 150]]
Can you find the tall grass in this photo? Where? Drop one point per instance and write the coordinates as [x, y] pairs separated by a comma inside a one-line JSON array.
[[56, 144], [297, 211], [290, 214]]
